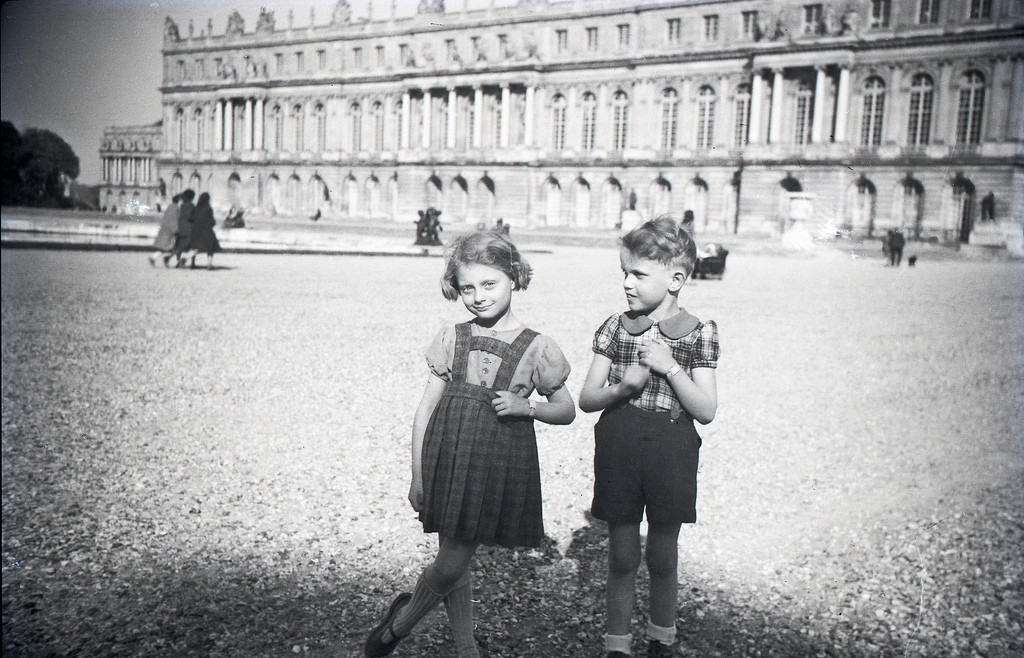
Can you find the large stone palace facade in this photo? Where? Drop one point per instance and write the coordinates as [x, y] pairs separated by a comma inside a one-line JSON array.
[[131, 173], [849, 115]]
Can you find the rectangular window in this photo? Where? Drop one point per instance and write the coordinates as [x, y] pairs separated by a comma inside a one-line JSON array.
[[879, 14], [675, 29], [812, 19], [404, 53], [981, 9], [449, 50], [300, 62], [929, 13], [802, 133], [357, 57], [751, 31], [561, 41], [503, 46], [321, 60], [591, 39], [380, 57], [624, 35], [200, 69], [278, 63], [711, 28], [179, 70]]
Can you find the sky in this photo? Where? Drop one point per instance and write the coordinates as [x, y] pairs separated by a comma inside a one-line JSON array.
[[76, 66]]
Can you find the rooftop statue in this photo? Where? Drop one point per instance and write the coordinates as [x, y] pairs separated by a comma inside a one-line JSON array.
[[236, 24], [265, 23], [171, 30], [430, 7], [342, 13]]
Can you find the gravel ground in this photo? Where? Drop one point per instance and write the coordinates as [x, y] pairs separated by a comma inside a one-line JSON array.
[[215, 462]]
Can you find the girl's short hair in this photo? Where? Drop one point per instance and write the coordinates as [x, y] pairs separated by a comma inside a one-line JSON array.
[[663, 240], [488, 248]]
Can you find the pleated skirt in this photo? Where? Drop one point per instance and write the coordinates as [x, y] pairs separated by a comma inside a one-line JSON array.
[[481, 474]]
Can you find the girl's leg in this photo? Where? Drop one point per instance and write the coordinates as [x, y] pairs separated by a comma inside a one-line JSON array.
[[436, 581], [623, 562], [459, 606], [663, 566]]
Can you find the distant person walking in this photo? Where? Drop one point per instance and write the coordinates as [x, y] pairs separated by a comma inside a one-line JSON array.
[[184, 237], [204, 240], [896, 244], [165, 237], [475, 470]]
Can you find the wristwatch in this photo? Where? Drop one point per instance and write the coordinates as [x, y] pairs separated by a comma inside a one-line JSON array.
[[673, 371]]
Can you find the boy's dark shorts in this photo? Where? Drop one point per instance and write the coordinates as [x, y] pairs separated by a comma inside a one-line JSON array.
[[642, 459]]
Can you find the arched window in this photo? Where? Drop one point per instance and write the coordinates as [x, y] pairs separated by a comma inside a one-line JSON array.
[[669, 118], [199, 129], [321, 128], [705, 117], [558, 105], [589, 120], [741, 115], [874, 109], [396, 121], [378, 126], [299, 123], [919, 123], [620, 120], [357, 126], [972, 103], [804, 98], [277, 125]]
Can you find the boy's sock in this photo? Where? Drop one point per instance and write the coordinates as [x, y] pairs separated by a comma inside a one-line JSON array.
[[621, 643], [459, 605], [661, 633], [424, 598]]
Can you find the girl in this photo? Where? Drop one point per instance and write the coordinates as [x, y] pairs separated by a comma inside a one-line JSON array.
[[204, 240], [475, 473], [653, 374]]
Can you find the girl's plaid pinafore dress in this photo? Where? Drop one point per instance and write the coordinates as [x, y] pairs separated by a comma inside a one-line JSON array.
[[481, 474]]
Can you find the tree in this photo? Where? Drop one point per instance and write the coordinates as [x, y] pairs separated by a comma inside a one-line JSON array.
[[37, 167]]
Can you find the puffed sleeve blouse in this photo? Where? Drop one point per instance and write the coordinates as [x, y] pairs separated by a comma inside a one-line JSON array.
[[543, 367]]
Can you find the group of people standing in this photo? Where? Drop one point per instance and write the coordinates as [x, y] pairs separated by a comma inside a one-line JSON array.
[[186, 231]]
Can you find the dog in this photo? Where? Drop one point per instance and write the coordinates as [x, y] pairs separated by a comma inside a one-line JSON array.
[[912, 260]]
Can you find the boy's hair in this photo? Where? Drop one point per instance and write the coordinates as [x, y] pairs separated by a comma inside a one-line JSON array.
[[663, 240], [488, 248]]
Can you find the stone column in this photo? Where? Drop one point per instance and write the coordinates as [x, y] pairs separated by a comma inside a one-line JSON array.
[[1015, 122], [778, 100], [452, 113], [842, 104], [426, 119], [818, 120], [259, 137], [406, 120], [478, 115], [218, 125], [528, 127], [756, 96], [506, 109], [229, 125], [248, 124]]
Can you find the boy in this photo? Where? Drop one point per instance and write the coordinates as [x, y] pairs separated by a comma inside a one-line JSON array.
[[652, 375]]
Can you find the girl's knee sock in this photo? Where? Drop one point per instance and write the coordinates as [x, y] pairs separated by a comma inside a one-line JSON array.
[[622, 643], [665, 635], [424, 598], [459, 605]]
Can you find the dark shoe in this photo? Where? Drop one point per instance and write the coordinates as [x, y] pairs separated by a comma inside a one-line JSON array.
[[375, 645], [617, 654], [656, 649]]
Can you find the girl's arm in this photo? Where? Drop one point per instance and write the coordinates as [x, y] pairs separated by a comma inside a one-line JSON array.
[[597, 394], [431, 396], [558, 410]]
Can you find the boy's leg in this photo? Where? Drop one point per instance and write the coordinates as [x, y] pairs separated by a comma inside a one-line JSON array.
[[623, 561], [663, 566]]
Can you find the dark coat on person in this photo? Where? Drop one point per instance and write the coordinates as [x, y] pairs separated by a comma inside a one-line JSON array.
[[185, 213], [204, 240], [165, 237]]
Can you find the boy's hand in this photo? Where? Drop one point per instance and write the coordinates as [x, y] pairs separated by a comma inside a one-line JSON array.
[[656, 355], [507, 403], [634, 379]]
